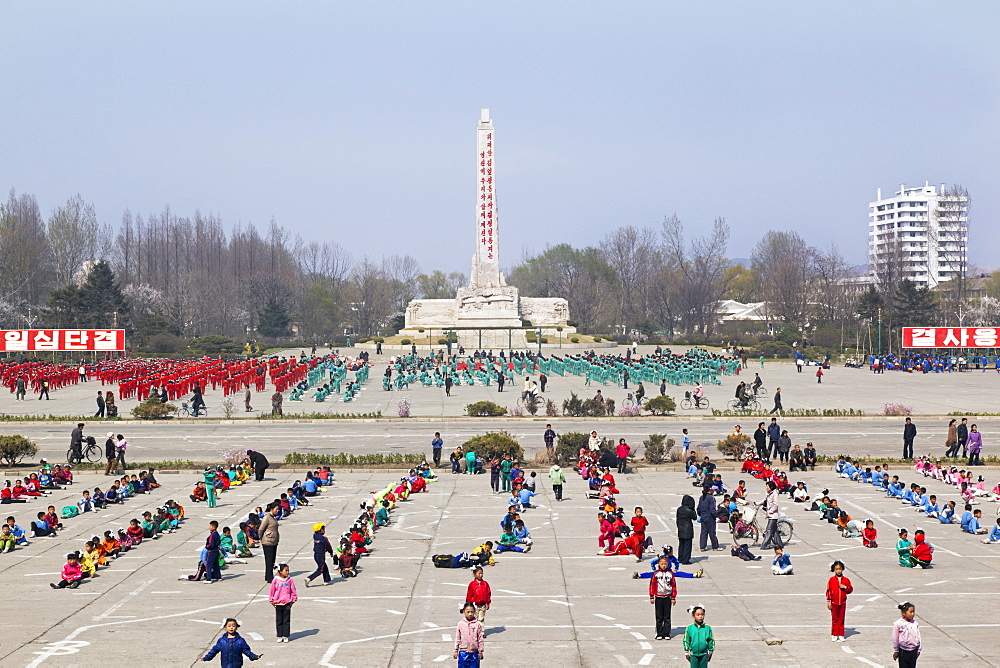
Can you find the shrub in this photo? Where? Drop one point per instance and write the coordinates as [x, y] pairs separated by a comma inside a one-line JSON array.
[[403, 407], [379, 339], [594, 408], [531, 336], [661, 405], [574, 339], [597, 339], [531, 405], [228, 407], [733, 445], [573, 407], [494, 444], [629, 411], [568, 447], [515, 411], [215, 345], [405, 342], [166, 343], [485, 409], [545, 339], [891, 408], [233, 456], [550, 408], [442, 342], [153, 409], [658, 448], [15, 448]]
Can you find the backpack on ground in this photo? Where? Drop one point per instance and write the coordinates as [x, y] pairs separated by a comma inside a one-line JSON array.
[[70, 511], [443, 560]]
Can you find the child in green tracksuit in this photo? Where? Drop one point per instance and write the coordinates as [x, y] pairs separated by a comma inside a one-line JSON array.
[[382, 515], [506, 466], [242, 543], [209, 475], [698, 640]]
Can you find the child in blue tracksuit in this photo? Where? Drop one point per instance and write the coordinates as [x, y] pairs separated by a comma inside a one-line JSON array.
[[232, 647], [673, 565], [947, 514], [930, 506], [970, 521], [524, 497], [994, 536]]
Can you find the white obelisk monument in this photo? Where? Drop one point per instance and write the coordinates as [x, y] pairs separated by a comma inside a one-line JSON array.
[[488, 303]]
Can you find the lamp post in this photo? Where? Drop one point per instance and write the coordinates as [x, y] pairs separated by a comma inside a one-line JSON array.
[[879, 330]]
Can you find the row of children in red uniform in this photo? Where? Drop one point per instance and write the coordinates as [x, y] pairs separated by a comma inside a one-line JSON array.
[[616, 537]]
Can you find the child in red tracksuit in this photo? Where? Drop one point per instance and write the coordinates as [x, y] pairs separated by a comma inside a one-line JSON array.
[[479, 593], [837, 589], [869, 534], [639, 524], [607, 531], [632, 545]]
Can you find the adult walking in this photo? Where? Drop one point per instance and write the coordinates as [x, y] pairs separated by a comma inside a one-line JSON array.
[[686, 515], [100, 404], [121, 446], [771, 537], [246, 400], [773, 434], [975, 446], [963, 437], [259, 463], [276, 400], [437, 444], [951, 441], [76, 441], [447, 383], [550, 439], [43, 389], [777, 403], [909, 433], [708, 517], [760, 441], [20, 389], [110, 453], [543, 381], [557, 478], [269, 538]]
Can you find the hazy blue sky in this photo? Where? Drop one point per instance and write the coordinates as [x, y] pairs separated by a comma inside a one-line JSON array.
[[355, 121]]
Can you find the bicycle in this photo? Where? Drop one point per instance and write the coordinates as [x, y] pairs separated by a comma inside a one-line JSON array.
[[785, 527], [760, 391], [687, 403], [186, 411], [629, 401], [751, 405], [92, 452], [522, 400]]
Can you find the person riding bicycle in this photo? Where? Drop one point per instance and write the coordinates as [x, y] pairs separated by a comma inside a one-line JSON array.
[[640, 392], [757, 382], [76, 441], [698, 394], [742, 395], [197, 401]]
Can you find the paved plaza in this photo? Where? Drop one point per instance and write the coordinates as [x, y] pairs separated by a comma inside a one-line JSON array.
[[559, 605]]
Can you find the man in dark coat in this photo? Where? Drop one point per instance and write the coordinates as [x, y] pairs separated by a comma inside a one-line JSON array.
[[259, 462], [963, 437], [686, 515], [909, 433], [709, 519], [100, 404]]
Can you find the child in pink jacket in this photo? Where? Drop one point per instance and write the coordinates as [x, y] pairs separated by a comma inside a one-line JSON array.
[[282, 596]]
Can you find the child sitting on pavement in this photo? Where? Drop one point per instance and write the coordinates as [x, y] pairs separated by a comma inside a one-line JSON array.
[[782, 564]]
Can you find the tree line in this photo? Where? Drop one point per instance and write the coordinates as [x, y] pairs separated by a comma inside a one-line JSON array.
[[167, 277]]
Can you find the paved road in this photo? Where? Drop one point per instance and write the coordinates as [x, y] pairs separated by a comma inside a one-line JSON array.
[[204, 441]]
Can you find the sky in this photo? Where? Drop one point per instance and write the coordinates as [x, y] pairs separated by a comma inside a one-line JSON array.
[[354, 122]]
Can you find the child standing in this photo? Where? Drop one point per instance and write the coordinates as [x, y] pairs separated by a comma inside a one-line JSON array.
[[906, 637], [213, 545], [479, 593], [699, 643], [232, 646], [662, 595], [837, 589], [282, 597], [469, 638]]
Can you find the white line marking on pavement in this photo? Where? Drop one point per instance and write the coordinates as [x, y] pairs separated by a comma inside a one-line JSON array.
[[931, 584], [870, 663], [87, 593], [616, 568], [903, 591], [847, 649], [508, 591], [874, 598], [645, 660], [839, 549], [985, 577], [560, 602], [28, 575], [445, 637], [856, 608], [255, 636], [386, 577], [431, 625], [610, 619], [124, 599], [395, 612], [443, 657], [204, 621], [621, 659], [637, 635], [645, 645]]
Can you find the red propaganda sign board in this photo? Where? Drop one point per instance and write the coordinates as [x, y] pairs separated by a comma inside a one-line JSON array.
[[94, 340], [950, 337]]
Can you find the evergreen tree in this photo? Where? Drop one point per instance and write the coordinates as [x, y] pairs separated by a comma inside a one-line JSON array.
[[97, 304], [273, 320]]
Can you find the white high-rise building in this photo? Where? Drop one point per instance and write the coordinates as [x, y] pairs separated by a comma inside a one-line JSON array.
[[920, 234]]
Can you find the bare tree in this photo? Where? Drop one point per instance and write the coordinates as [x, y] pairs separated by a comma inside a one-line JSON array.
[[699, 272]]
